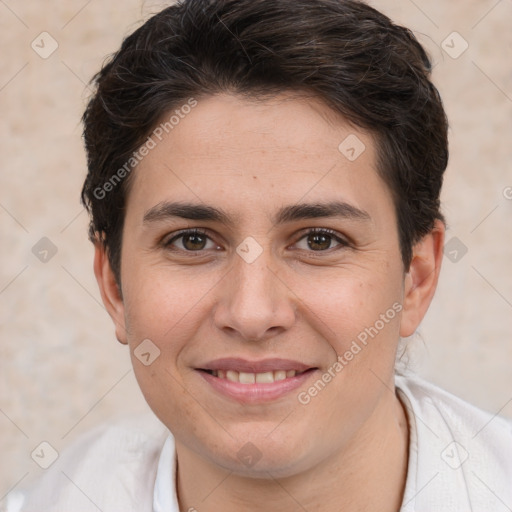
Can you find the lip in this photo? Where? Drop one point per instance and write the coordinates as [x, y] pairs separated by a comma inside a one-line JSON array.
[[256, 393]]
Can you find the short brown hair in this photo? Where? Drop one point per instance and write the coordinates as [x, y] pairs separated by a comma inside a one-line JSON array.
[[344, 52]]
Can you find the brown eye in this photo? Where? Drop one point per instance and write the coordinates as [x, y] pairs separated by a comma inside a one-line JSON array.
[[320, 240], [192, 240]]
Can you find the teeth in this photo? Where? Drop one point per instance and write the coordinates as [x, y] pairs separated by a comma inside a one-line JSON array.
[[280, 375], [252, 378], [232, 376], [263, 378], [247, 378]]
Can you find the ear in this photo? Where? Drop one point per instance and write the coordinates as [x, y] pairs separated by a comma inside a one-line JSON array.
[[421, 279], [110, 292]]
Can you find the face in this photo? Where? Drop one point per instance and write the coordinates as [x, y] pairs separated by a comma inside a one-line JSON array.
[[263, 264]]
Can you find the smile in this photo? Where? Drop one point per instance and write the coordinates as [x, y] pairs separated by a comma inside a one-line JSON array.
[[254, 382], [253, 378]]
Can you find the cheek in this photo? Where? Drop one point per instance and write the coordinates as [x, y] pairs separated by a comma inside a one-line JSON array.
[[344, 309], [168, 396], [360, 319], [160, 300]]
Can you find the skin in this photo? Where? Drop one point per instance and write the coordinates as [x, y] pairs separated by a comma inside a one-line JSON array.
[[347, 448]]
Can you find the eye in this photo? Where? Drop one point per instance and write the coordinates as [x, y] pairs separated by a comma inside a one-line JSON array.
[[320, 240], [191, 240]]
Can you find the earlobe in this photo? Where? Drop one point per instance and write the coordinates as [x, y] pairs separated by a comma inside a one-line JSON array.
[[109, 290], [421, 280]]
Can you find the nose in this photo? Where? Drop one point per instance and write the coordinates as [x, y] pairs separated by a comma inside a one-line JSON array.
[[255, 302]]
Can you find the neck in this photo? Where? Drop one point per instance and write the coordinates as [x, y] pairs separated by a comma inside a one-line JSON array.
[[368, 475]]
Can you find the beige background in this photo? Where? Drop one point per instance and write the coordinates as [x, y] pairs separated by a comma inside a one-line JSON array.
[[61, 370]]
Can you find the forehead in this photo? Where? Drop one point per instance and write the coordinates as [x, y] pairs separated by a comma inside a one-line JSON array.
[[247, 153], [284, 123]]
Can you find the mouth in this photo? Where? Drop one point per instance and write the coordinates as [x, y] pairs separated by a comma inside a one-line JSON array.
[[257, 381], [252, 378]]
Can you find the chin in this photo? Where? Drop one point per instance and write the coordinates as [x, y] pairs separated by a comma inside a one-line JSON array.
[[262, 457]]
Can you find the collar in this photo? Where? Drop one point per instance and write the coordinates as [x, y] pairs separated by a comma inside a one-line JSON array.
[[165, 497]]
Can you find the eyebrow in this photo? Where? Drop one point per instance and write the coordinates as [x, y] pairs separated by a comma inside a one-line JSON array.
[[302, 211]]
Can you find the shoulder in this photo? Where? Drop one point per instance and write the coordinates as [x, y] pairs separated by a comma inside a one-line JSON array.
[[459, 416], [458, 453], [110, 468]]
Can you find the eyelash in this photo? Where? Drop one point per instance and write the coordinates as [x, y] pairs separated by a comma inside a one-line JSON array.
[[197, 231]]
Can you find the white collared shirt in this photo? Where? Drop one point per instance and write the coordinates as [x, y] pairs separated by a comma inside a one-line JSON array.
[[460, 460]]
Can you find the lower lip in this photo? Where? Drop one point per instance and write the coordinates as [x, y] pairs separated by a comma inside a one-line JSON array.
[[256, 393]]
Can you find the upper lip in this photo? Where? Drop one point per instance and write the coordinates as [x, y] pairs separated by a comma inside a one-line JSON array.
[[244, 365]]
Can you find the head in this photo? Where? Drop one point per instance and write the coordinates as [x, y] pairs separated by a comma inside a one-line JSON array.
[[264, 184]]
